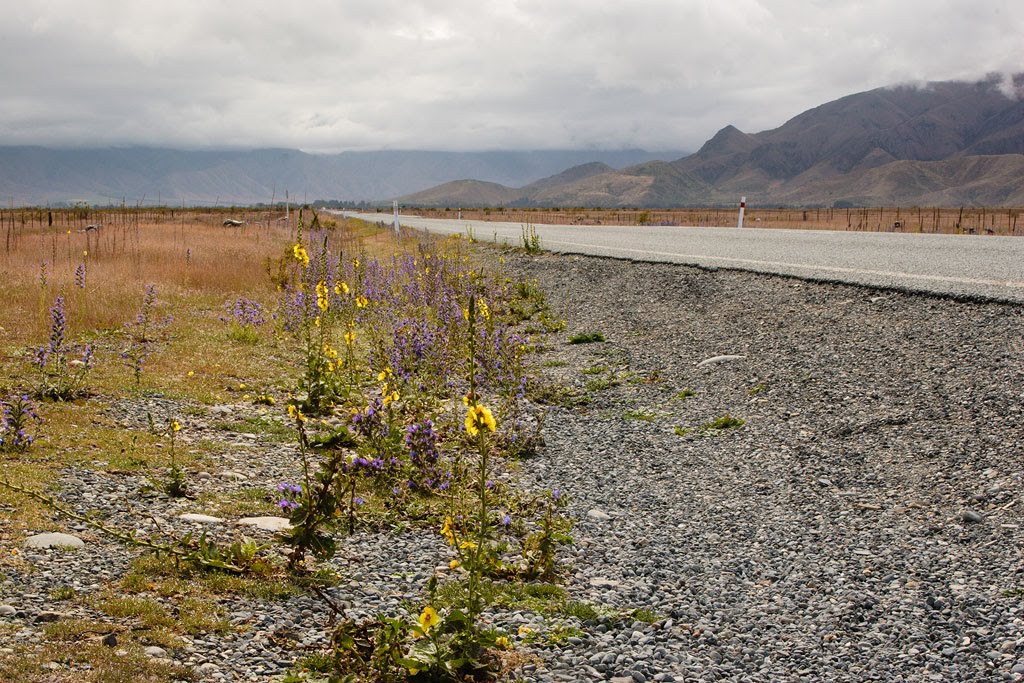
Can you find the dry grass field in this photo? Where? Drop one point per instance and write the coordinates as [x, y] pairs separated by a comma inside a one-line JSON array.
[[973, 220]]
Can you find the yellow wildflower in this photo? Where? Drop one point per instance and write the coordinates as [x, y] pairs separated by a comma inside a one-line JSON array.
[[477, 417], [175, 426], [316, 321], [467, 545], [502, 641], [350, 337], [191, 372], [485, 312], [465, 313], [295, 413], [341, 288], [428, 619], [355, 263], [454, 564], [362, 302], [299, 252], [241, 386], [448, 530], [322, 301]]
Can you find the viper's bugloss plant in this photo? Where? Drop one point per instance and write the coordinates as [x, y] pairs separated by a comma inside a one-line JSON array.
[[145, 333], [539, 548], [18, 419], [244, 317], [315, 502], [61, 377]]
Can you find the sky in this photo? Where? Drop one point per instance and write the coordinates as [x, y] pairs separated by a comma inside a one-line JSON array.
[[330, 76]]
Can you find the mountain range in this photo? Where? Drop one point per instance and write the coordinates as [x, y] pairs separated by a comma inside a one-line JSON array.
[[940, 144], [148, 175], [945, 143]]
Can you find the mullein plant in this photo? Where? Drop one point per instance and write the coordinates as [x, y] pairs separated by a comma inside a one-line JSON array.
[[60, 376], [450, 644]]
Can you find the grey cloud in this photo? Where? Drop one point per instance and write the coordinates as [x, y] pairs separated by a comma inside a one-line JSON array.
[[454, 74]]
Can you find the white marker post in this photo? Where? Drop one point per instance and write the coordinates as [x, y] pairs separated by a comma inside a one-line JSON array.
[[743, 205], [397, 226]]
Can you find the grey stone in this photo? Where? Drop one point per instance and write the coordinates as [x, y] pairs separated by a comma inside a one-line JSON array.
[[602, 582], [202, 519], [972, 517], [267, 523], [596, 515], [54, 540], [154, 651], [7, 611], [718, 360]]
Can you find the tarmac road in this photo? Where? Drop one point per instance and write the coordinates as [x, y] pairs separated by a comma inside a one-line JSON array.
[[969, 266]]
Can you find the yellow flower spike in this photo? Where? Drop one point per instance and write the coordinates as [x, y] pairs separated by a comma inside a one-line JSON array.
[[485, 312], [322, 301], [350, 338], [362, 302], [341, 288], [316, 321], [355, 263], [465, 313], [479, 417], [447, 530], [428, 619]]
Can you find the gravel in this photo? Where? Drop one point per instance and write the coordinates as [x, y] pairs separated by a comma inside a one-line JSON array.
[[862, 523]]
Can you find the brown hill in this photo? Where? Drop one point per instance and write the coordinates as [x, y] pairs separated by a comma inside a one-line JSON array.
[[940, 144]]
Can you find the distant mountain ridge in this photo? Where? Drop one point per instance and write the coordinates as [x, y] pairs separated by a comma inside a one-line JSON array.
[[946, 143], [39, 175]]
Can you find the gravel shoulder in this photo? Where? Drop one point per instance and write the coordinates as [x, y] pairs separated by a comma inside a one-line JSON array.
[[863, 523]]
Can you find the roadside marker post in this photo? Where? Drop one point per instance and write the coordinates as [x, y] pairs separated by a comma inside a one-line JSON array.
[[397, 226], [743, 205]]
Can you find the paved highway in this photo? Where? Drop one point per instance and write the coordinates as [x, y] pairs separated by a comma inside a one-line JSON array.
[[964, 265]]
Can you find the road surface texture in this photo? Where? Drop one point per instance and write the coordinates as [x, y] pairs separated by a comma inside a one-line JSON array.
[[971, 266]]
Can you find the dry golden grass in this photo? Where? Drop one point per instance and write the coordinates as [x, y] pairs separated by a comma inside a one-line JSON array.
[[195, 264], [973, 220]]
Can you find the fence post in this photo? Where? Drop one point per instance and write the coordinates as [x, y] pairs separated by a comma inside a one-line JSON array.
[[743, 205]]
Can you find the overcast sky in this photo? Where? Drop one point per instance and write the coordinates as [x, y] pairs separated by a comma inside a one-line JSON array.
[[326, 76]]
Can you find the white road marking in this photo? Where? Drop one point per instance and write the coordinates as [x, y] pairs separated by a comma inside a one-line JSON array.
[[804, 266]]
